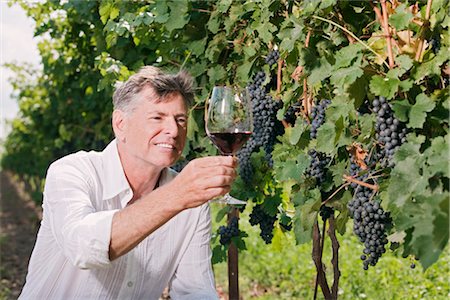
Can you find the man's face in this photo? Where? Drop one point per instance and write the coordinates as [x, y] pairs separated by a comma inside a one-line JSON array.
[[155, 131]]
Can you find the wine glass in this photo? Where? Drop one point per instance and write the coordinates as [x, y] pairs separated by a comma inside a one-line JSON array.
[[229, 123]]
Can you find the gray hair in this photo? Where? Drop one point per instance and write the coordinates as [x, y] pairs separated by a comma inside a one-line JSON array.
[[162, 84]]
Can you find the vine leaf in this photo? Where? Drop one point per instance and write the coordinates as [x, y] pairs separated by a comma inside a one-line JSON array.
[[406, 180], [419, 110], [293, 169], [384, 86], [306, 215], [401, 109], [401, 18], [437, 156], [326, 136], [319, 73], [346, 76], [347, 55]]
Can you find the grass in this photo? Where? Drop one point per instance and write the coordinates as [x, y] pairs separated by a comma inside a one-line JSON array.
[[266, 273]]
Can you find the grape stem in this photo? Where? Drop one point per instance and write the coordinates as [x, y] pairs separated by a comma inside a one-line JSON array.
[[362, 183], [336, 191]]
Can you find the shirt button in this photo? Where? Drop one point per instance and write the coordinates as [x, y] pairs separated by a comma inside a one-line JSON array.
[[130, 283]]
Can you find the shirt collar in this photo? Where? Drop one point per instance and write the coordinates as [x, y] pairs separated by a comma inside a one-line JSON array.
[[114, 180]]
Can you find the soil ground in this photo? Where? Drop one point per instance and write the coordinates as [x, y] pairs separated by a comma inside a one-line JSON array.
[[19, 222]]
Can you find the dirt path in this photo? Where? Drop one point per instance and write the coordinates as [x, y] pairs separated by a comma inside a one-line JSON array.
[[19, 221]]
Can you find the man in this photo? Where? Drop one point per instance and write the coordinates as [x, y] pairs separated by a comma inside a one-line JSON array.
[[119, 224]]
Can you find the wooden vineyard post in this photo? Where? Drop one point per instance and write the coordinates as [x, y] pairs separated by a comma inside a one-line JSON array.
[[233, 278]]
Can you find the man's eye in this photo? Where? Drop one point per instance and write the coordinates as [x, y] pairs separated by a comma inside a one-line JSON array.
[[181, 121], [155, 118]]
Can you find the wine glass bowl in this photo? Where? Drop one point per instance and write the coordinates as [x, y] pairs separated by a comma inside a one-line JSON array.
[[229, 123]]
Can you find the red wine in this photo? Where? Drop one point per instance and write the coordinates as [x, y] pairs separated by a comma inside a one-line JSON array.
[[229, 143]]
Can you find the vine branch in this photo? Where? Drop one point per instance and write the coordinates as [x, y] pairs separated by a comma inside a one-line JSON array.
[[280, 66], [335, 259], [421, 46], [387, 33], [307, 106], [317, 258], [362, 183]]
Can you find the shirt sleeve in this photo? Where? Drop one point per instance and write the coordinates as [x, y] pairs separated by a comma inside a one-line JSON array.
[[82, 233], [194, 277]]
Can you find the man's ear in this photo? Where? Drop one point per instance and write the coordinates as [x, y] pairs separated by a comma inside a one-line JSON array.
[[119, 124]]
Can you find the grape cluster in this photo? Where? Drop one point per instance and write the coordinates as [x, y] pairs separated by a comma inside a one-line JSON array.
[[290, 116], [318, 116], [229, 231], [272, 57], [265, 124], [319, 161], [390, 132], [326, 212], [435, 43], [370, 224], [266, 223], [317, 168]]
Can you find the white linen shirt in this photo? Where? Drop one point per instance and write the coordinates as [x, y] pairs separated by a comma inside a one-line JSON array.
[[70, 259]]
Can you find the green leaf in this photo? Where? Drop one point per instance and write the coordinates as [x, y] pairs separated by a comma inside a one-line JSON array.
[[430, 67], [293, 169], [290, 36], [219, 254], [338, 170], [341, 222], [384, 86], [265, 31], [404, 61], [197, 47], [296, 132], [401, 18], [401, 109], [214, 22], [357, 91], [326, 136], [320, 73], [243, 71], [114, 13], [417, 114], [216, 74], [366, 123], [178, 16], [438, 156], [406, 180], [224, 5], [305, 216], [239, 243], [345, 77], [222, 213], [347, 55], [104, 11]]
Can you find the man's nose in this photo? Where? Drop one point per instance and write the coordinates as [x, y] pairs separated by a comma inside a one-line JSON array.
[[171, 127]]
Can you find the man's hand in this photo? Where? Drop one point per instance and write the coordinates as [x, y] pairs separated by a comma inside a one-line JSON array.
[[203, 179]]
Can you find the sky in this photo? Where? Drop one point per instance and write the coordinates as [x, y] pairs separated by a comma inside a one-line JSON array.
[[16, 45]]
